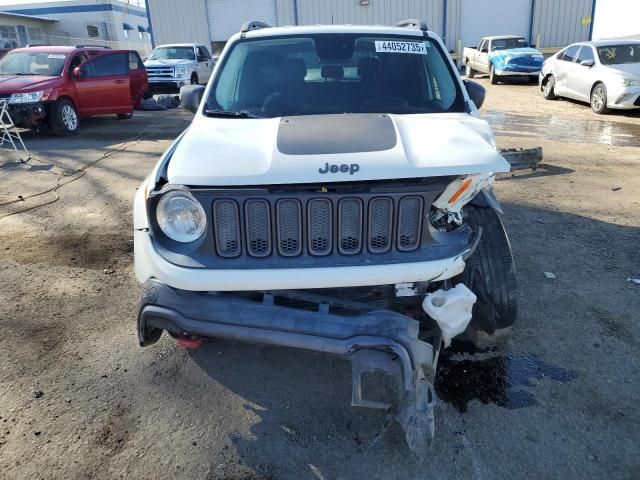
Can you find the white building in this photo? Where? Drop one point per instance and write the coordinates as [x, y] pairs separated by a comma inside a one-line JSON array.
[[616, 18], [97, 22], [548, 23]]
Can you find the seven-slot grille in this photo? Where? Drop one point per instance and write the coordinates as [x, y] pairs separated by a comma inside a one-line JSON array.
[[289, 227]]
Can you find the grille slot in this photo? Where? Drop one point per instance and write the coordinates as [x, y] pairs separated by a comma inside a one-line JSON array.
[[319, 219], [349, 226], [409, 223], [380, 224], [258, 228], [227, 228], [289, 218]]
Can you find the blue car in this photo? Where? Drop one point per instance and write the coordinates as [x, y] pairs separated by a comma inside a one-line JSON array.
[[503, 56]]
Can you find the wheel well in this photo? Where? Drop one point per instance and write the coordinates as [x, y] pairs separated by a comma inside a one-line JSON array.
[[66, 97], [545, 80], [595, 84]]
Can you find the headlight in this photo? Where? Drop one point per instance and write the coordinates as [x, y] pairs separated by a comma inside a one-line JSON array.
[[181, 217], [630, 82], [30, 97], [182, 71]]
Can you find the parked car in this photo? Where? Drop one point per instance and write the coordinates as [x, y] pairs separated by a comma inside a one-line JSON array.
[[503, 56], [172, 66], [333, 193], [605, 74], [59, 85]]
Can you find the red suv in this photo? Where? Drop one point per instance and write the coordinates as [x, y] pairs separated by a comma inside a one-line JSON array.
[[59, 85]]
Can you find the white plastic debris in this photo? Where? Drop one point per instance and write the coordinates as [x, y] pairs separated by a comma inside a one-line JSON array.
[[451, 309], [406, 290], [549, 275]]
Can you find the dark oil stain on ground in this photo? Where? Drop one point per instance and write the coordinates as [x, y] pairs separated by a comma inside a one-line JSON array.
[[499, 380], [565, 130]]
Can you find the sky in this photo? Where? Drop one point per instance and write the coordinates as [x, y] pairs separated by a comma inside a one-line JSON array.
[[24, 2]]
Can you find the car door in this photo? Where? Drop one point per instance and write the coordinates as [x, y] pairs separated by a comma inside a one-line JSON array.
[[482, 56], [563, 69], [581, 80], [205, 64], [103, 85], [138, 78]]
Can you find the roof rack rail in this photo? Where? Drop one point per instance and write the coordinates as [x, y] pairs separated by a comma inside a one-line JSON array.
[[412, 22], [93, 46], [253, 25]]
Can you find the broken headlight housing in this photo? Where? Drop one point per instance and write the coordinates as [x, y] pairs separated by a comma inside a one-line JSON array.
[[181, 217], [447, 209]]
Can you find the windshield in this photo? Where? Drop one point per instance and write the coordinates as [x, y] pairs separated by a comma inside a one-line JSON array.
[[619, 54], [173, 53], [32, 63], [335, 73], [508, 43]]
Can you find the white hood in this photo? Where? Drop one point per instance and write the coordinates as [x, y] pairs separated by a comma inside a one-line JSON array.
[[238, 151]]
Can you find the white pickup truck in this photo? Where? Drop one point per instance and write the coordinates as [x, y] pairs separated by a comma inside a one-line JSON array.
[[170, 67], [503, 56]]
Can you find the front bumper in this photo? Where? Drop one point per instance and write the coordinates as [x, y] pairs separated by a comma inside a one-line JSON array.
[[28, 115], [624, 98], [149, 264], [165, 85], [517, 72], [374, 340]]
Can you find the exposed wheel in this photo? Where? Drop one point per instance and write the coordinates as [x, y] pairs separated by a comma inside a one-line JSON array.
[[548, 88], [599, 99], [490, 273], [493, 78], [194, 79], [63, 117], [124, 116], [468, 71]]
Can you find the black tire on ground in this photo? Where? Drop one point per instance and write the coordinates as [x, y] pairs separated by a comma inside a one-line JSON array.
[[490, 273], [468, 70], [147, 95], [548, 88], [493, 78], [124, 116], [63, 118], [533, 78], [599, 99], [194, 79]]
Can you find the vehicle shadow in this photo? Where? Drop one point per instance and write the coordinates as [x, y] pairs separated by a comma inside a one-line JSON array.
[[302, 425]]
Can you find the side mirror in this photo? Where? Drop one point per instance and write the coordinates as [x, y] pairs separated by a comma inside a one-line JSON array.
[[77, 73], [588, 63], [202, 58], [191, 96], [484, 50], [533, 46], [476, 92]]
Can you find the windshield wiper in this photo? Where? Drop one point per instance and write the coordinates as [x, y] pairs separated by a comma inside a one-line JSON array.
[[224, 113]]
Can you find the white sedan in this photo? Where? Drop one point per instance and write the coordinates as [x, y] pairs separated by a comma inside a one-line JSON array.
[[605, 73]]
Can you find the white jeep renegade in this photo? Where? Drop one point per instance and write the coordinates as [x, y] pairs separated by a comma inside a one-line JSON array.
[[333, 194]]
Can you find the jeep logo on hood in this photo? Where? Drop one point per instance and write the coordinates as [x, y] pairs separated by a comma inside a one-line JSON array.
[[344, 168]]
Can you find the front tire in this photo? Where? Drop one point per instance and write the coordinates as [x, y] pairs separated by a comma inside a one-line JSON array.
[[124, 116], [64, 118], [548, 88], [490, 273], [493, 78], [599, 99], [468, 70]]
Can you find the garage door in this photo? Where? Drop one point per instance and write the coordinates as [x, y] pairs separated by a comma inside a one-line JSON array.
[[227, 16], [482, 18]]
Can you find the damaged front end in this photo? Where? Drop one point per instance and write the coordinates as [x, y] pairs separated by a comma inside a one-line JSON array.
[[376, 340], [28, 115]]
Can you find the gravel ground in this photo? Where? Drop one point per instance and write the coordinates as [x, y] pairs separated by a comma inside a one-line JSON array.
[[80, 399]]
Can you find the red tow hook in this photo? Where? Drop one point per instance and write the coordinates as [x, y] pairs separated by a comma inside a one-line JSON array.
[[186, 340]]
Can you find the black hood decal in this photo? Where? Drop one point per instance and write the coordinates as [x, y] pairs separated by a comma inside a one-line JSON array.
[[335, 134]]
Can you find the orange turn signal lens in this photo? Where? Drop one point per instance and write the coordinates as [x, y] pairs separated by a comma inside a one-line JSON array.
[[461, 190]]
